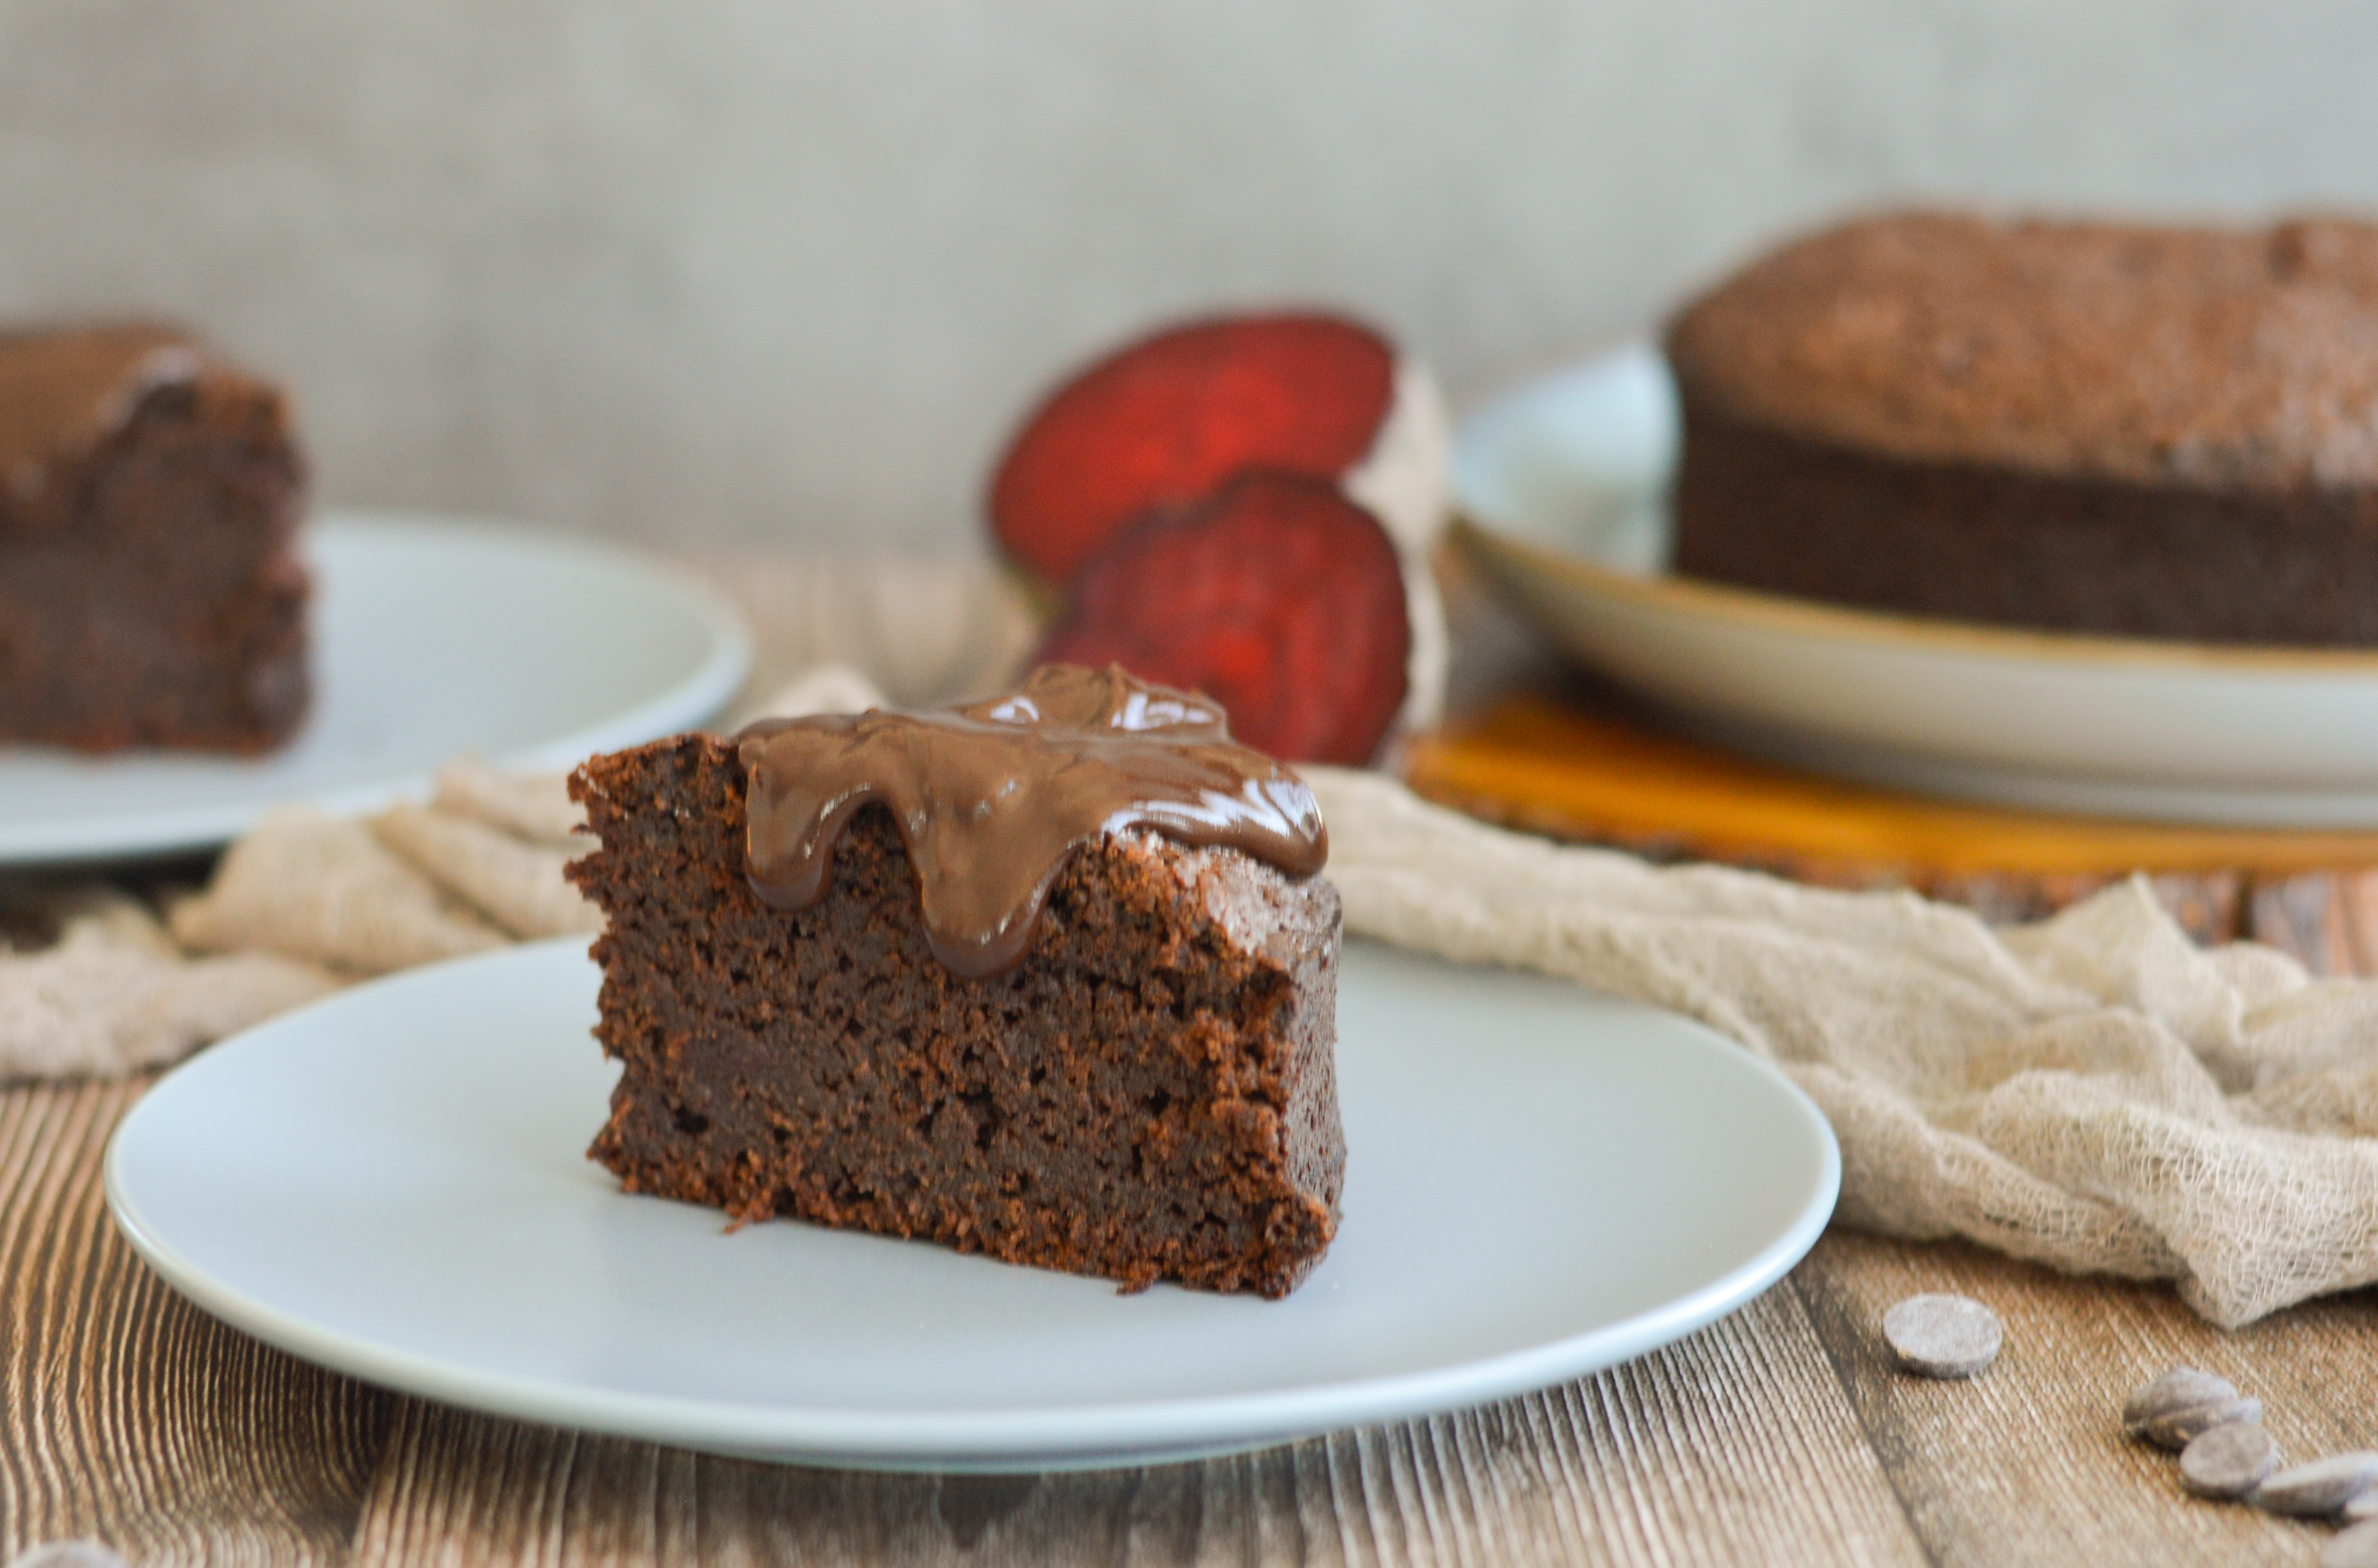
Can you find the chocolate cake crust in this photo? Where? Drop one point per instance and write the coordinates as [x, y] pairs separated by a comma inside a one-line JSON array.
[[2207, 357], [1149, 1094], [2162, 432]]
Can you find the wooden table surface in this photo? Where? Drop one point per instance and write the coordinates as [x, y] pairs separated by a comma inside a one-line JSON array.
[[1779, 1435]]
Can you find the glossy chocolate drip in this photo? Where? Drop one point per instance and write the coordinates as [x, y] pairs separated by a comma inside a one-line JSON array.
[[62, 392], [990, 797]]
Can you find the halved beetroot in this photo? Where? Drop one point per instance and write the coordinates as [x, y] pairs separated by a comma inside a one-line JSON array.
[[1164, 420], [1276, 596]]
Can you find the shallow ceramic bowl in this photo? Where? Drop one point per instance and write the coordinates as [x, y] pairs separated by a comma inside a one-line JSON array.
[[1562, 486]]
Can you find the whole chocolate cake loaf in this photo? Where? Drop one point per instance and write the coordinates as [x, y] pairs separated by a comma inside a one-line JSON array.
[[2153, 432], [149, 591], [1051, 977]]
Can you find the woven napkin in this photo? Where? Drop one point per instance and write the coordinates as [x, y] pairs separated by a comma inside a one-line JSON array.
[[2093, 1092]]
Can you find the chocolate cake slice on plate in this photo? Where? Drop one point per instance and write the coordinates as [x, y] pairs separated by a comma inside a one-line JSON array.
[[1051, 977], [150, 594]]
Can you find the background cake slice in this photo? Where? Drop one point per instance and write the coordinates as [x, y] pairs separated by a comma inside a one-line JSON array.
[[1147, 1094], [150, 594]]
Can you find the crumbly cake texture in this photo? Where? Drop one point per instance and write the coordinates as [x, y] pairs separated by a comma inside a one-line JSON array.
[[150, 593], [1149, 1096], [2074, 426]]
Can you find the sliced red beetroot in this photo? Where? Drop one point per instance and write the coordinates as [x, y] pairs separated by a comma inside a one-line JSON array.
[[1276, 596], [1164, 420]]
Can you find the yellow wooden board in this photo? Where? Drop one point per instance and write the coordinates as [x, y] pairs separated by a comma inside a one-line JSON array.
[[1588, 772]]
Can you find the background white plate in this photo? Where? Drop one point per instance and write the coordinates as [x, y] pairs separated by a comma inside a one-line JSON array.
[[1564, 482], [1539, 1182], [433, 638]]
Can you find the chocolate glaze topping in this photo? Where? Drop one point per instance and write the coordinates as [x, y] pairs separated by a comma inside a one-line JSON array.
[[64, 391], [992, 796]]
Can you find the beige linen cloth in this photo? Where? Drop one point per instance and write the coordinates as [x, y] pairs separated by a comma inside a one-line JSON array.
[[2093, 1092]]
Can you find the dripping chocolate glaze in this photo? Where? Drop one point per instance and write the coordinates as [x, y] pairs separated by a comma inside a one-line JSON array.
[[63, 391], [990, 797]]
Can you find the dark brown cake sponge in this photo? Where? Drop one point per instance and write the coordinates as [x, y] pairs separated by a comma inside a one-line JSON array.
[[1149, 1096], [1965, 542]]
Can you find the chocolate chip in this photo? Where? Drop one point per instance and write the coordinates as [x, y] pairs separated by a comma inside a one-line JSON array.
[[2182, 1388], [2228, 1460], [2356, 1547], [2322, 1486], [1943, 1337], [2178, 1428]]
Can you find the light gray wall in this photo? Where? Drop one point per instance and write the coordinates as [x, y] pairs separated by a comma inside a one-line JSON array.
[[732, 270]]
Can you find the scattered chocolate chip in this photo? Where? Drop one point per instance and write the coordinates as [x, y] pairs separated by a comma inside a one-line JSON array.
[[2355, 1548], [2182, 1388], [2227, 1461], [2322, 1486], [2178, 1428], [1943, 1337]]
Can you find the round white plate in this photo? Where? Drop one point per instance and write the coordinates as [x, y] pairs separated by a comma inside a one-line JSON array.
[[1563, 483], [1539, 1182], [433, 639]]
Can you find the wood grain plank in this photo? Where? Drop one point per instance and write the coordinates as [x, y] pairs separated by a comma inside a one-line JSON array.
[[2326, 919], [2026, 1464], [1734, 1445], [125, 1414]]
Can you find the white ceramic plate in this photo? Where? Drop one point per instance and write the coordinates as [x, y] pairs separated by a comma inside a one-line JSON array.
[[392, 1183], [1562, 484], [433, 638]]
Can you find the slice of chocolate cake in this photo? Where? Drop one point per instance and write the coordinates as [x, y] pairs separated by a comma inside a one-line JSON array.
[[149, 591], [1049, 977]]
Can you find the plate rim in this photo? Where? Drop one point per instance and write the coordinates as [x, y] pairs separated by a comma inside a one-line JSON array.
[[1778, 613], [1954, 710], [1046, 1438], [701, 692]]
